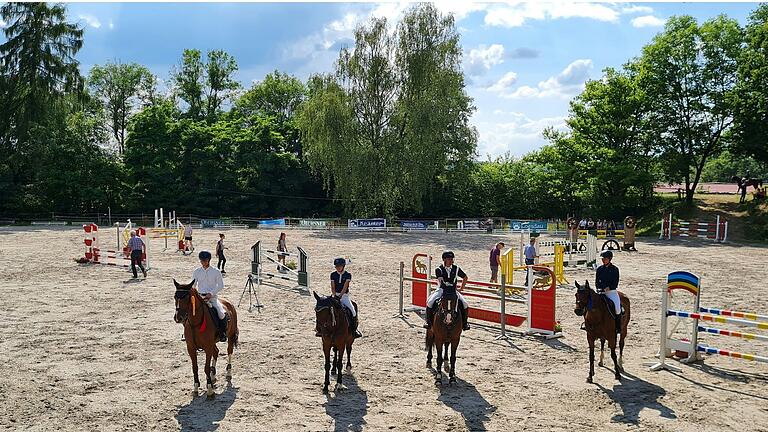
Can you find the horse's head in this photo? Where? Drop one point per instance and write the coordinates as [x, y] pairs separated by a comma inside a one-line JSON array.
[[185, 301], [327, 313], [447, 312], [583, 299]]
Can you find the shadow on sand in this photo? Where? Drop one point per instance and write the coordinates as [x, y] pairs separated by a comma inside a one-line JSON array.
[[464, 398], [203, 414], [349, 406], [634, 395]]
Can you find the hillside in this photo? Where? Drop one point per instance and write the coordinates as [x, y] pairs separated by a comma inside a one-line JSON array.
[[747, 223]]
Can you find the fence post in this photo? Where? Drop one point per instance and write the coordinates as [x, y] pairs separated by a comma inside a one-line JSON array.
[[503, 309], [400, 299]]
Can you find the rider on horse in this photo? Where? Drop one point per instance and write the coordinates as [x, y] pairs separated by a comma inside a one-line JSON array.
[[447, 277], [340, 280], [607, 282], [209, 283]]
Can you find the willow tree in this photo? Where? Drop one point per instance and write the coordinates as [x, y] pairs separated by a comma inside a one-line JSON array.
[[394, 118]]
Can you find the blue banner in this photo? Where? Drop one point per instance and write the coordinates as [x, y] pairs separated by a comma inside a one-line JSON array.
[[210, 223], [272, 222], [414, 224], [518, 225], [367, 223]]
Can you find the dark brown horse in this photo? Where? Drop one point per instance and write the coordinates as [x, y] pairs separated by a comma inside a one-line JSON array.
[[600, 324], [200, 332], [333, 325], [446, 330], [744, 184]]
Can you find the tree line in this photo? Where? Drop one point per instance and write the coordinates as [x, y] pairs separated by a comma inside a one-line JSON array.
[[386, 133]]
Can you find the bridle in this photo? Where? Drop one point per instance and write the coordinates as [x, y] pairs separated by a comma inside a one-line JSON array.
[[325, 329], [180, 295], [582, 309]]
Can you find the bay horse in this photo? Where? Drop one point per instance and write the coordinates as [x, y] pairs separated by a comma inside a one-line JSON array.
[[600, 324], [200, 332], [744, 184], [446, 330], [333, 324]]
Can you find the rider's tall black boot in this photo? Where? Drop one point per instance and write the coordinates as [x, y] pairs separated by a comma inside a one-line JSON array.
[[430, 317], [355, 333], [223, 329], [465, 318]]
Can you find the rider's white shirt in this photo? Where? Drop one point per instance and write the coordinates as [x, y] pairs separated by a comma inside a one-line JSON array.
[[208, 281]]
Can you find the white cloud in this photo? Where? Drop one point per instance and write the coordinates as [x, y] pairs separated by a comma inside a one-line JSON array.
[[515, 15], [514, 132], [505, 83], [111, 25], [647, 21], [484, 57], [460, 9], [637, 9], [90, 20], [2, 23], [564, 85]]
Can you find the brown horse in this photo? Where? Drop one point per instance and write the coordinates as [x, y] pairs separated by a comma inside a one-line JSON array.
[[200, 332], [446, 330], [333, 325], [600, 324]]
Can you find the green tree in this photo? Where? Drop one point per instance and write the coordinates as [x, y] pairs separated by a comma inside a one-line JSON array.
[[689, 73], [117, 85], [394, 119], [205, 86], [751, 119], [38, 70], [606, 160]]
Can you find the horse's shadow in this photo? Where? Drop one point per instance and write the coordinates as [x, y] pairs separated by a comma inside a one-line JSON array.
[[203, 414], [634, 395], [349, 406], [464, 398]]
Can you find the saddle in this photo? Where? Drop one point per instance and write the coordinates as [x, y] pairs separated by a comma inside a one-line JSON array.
[[609, 304], [215, 317]]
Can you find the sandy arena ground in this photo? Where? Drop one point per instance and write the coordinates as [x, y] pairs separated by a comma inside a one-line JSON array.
[[84, 349]]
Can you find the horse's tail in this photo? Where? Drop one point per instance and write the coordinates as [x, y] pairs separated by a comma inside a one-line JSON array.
[[235, 337]]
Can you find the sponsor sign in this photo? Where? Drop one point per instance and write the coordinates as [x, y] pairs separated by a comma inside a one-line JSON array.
[[210, 223], [367, 223], [518, 225], [317, 223], [414, 224], [272, 222]]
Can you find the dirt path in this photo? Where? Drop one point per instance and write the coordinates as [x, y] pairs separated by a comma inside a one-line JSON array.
[[83, 349]]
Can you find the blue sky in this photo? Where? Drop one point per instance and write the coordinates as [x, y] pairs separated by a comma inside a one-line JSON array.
[[523, 61]]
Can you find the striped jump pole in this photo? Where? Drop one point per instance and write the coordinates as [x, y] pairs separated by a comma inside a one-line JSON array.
[[692, 284], [259, 255]]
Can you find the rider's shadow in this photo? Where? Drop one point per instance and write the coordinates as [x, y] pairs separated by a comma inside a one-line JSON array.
[[203, 414], [634, 395], [464, 398], [348, 407]]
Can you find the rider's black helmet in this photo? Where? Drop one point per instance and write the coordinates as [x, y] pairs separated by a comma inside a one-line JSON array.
[[339, 262], [448, 254], [606, 254]]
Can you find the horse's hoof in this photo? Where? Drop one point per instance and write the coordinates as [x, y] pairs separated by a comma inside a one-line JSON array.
[[600, 363], [618, 377], [447, 368], [589, 380], [349, 367], [429, 364], [452, 380], [338, 387], [438, 382], [210, 392]]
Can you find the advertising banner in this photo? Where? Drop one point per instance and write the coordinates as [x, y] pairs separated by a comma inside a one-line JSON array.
[[518, 225], [316, 223], [367, 223], [272, 222], [414, 224]]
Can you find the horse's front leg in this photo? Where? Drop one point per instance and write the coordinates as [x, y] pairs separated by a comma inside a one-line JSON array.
[[327, 353], [591, 342], [208, 382], [602, 351], [349, 357], [335, 358], [339, 362], [616, 367], [430, 339], [214, 359], [452, 373], [446, 364], [193, 356], [439, 351]]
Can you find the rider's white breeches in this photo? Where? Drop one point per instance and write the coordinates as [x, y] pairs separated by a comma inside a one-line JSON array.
[[216, 304], [439, 293], [614, 296], [347, 303]]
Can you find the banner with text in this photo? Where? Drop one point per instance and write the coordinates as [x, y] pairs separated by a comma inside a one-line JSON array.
[[367, 223]]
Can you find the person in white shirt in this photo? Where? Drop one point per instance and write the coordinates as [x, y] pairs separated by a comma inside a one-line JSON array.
[[209, 283]]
